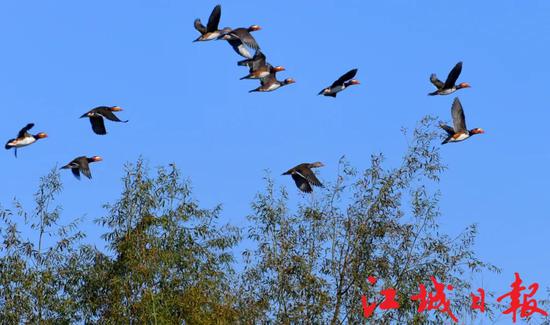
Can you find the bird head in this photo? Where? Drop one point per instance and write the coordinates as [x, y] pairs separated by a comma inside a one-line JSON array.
[[477, 131], [279, 68], [254, 28], [41, 135], [317, 164], [354, 82], [463, 85], [116, 109], [289, 81], [96, 158]]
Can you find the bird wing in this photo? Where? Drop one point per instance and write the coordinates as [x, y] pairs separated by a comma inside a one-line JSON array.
[[345, 77], [308, 174], [239, 47], [436, 82], [111, 116], [84, 167], [199, 26], [98, 125], [76, 172], [7, 144], [459, 121], [268, 80], [448, 129], [302, 183], [453, 75], [214, 19], [245, 37], [257, 61], [24, 130]]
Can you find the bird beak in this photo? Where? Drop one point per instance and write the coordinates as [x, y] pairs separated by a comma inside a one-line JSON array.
[[84, 115]]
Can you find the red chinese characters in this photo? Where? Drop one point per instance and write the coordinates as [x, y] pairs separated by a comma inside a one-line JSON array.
[[435, 300], [526, 306], [478, 302], [520, 302], [389, 301]]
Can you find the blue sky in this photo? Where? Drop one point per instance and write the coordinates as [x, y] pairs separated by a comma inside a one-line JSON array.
[[186, 105]]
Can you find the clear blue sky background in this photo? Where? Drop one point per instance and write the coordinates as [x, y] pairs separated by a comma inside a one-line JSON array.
[[186, 105]]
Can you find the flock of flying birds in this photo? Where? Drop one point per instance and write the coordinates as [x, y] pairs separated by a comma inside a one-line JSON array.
[[242, 41]]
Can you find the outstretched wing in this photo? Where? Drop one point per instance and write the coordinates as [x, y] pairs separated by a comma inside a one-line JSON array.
[[214, 19], [436, 82], [199, 26], [24, 130], [76, 173], [308, 174], [257, 61], [85, 167], [98, 125], [347, 76], [448, 129], [459, 121], [111, 116], [302, 183], [245, 37], [453, 75]]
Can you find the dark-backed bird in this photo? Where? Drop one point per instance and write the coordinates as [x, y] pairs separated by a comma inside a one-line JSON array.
[[449, 86], [270, 83], [81, 165], [304, 177], [342, 83], [24, 138], [258, 67], [241, 40], [459, 131], [211, 31], [97, 114]]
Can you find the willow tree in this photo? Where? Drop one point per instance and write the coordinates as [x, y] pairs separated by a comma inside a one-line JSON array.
[[39, 260], [311, 262], [170, 261]]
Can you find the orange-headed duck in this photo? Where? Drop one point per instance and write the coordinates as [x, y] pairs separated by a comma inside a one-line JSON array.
[[240, 39], [24, 138], [81, 165], [304, 177], [459, 131], [449, 86], [97, 114], [270, 83], [342, 83], [211, 31]]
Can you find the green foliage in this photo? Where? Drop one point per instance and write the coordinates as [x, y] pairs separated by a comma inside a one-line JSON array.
[[168, 261], [38, 276], [311, 263], [171, 262]]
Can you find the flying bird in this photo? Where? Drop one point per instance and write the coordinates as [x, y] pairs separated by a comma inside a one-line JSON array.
[[81, 165], [255, 62], [24, 138], [342, 83], [459, 131], [97, 114], [211, 31], [258, 67], [270, 83], [263, 72], [304, 177], [449, 86], [241, 40]]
